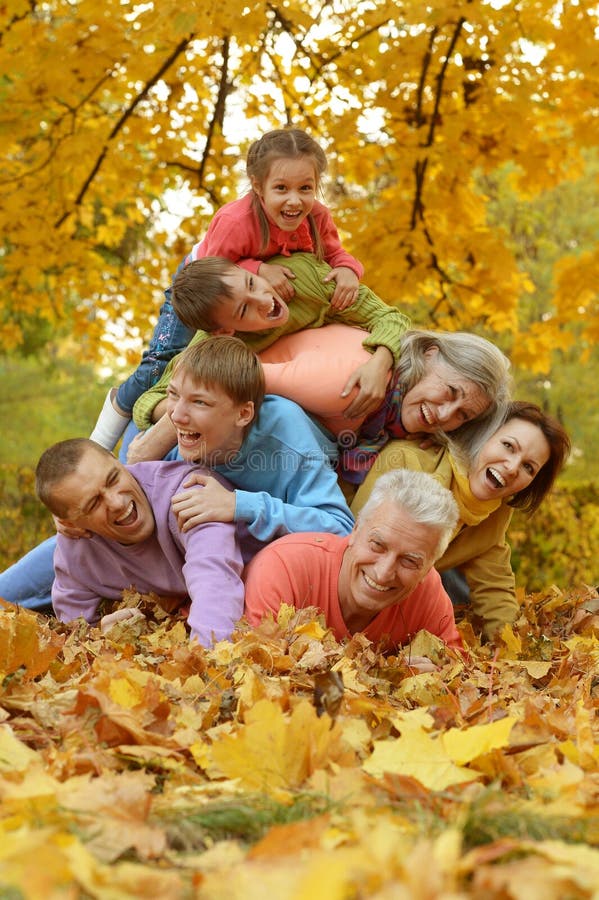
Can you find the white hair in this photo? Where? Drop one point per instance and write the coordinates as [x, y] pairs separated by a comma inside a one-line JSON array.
[[422, 497]]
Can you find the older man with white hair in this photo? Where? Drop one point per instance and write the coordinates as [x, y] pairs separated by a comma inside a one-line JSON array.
[[380, 579]]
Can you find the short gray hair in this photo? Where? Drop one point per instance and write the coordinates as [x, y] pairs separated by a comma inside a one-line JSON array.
[[472, 356], [422, 497]]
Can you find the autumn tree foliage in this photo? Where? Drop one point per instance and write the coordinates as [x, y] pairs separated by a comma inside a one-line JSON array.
[[108, 107]]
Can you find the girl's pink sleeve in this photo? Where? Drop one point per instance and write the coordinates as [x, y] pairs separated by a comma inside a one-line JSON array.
[[232, 238], [334, 253]]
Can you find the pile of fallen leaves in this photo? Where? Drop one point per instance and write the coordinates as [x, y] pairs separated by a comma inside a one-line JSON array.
[[285, 765]]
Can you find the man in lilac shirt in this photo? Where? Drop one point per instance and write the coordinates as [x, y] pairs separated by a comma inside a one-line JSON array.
[[135, 539]]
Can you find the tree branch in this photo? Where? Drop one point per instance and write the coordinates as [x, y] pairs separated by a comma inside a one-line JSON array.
[[420, 165], [441, 78], [121, 122], [423, 73], [218, 116], [17, 18]]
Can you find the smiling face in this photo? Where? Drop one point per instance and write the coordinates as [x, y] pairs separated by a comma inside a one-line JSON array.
[[388, 555], [288, 191], [102, 496], [509, 460], [442, 399], [210, 425], [252, 305]]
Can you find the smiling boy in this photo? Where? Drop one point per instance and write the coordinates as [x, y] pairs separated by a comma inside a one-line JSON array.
[[278, 460], [214, 295]]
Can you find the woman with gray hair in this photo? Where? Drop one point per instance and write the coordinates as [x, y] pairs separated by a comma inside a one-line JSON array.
[[444, 382]]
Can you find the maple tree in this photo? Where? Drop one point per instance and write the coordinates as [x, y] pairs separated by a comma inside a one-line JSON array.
[[107, 108], [134, 764]]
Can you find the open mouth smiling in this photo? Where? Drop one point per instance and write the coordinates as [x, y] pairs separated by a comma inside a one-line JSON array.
[[275, 311], [128, 517], [494, 478], [188, 437], [427, 415], [375, 585]]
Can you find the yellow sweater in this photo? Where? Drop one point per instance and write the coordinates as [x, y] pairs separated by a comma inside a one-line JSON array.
[[479, 548]]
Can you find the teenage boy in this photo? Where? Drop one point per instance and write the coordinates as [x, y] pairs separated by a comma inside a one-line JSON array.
[[279, 461]]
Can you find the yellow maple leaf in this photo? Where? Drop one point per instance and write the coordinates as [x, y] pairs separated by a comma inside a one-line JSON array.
[[126, 694], [15, 756], [311, 629], [464, 745], [273, 751], [417, 754]]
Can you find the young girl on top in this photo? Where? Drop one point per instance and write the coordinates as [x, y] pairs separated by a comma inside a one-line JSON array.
[[279, 215]]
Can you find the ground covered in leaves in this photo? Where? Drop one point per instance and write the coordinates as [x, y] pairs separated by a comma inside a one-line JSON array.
[[287, 766]]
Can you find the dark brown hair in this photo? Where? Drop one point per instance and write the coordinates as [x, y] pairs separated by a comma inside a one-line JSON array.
[[198, 288], [56, 463], [530, 498]]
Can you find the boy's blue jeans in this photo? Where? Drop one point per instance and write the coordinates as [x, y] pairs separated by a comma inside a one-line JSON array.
[[170, 337]]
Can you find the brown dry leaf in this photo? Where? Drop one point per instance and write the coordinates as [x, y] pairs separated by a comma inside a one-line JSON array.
[[575, 873], [294, 838], [113, 809], [116, 740]]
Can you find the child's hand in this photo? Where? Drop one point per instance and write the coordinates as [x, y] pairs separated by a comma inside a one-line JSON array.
[[214, 503], [346, 288], [372, 379], [154, 443], [69, 530], [278, 277]]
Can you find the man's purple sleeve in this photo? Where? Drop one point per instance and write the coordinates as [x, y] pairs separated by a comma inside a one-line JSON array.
[[212, 573]]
